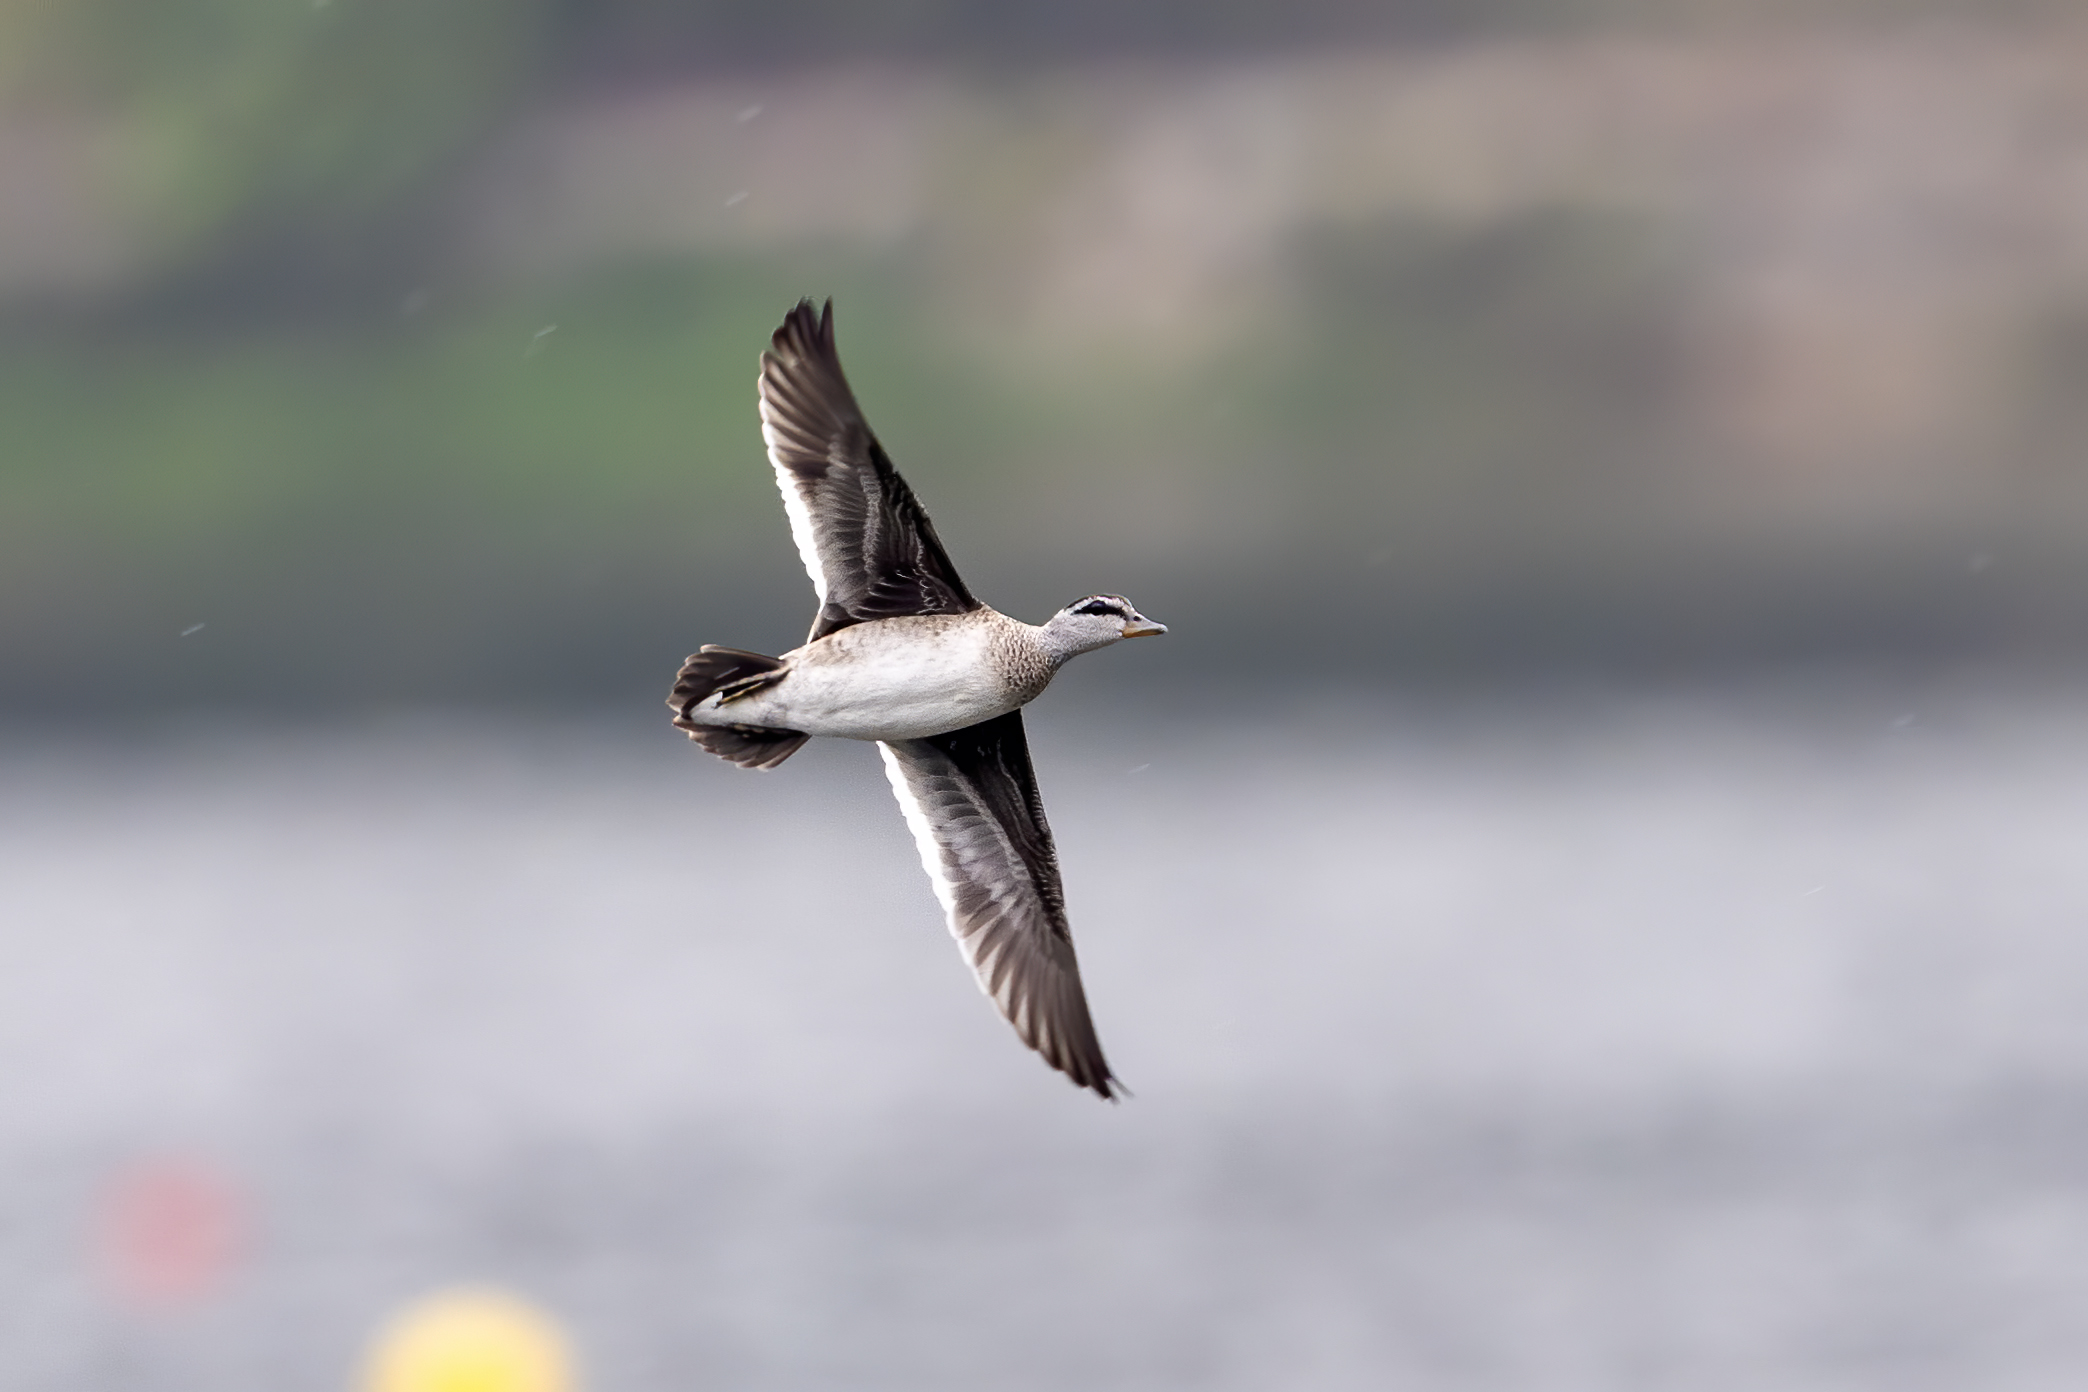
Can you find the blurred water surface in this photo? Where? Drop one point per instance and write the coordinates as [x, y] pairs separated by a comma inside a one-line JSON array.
[[1567, 1042]]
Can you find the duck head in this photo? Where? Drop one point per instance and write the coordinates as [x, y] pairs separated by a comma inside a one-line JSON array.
[[1096, 622]]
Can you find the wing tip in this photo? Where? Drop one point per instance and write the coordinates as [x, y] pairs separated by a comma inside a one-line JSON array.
[[1077, 1053], [806, 332], [1062, 1035], [801, 386], [1106, 1085]]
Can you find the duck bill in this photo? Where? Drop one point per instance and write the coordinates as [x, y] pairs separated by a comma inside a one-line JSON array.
[[1144, 628]]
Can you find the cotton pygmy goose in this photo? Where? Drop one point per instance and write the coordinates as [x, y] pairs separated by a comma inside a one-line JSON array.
[[901, 653]]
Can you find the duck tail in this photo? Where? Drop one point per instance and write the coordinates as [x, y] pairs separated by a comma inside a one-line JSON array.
[[749, 746], [730, 673], [712, 669]]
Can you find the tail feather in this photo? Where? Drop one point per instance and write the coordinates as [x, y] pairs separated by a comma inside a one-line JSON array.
[[730, 673], [749, 746], [711, 669]]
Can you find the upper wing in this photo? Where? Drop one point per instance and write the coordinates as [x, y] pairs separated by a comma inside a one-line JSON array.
[[970, 798], [870, 550]]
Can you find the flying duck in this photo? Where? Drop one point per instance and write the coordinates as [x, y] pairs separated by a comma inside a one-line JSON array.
[[901, 653]]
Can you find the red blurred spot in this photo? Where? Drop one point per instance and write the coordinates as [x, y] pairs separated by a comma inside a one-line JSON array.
[[170, 1232]]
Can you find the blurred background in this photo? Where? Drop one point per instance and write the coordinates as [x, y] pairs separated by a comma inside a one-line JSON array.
[[1586, 894]]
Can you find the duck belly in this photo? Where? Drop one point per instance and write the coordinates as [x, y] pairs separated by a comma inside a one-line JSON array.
[[895, 679]]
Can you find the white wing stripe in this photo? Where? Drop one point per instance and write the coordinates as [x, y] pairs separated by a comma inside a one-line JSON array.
[[795, 509], [981, 865], [923, 835]]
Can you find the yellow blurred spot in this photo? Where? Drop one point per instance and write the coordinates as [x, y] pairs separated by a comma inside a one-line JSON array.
[[470, 1341]]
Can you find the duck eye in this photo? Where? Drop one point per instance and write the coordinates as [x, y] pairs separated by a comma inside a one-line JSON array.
[[1098, 606]]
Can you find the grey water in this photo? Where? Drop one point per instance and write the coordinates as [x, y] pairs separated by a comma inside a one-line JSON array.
[[1713, 1041]]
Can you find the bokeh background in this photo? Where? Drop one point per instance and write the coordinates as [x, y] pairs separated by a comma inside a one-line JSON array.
[[1586, 894]]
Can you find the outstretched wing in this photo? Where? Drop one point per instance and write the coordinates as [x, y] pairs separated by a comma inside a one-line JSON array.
[[871, 551], [970, 798]]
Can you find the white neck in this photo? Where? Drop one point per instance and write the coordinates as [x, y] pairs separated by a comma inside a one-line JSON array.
[[1060, 641]]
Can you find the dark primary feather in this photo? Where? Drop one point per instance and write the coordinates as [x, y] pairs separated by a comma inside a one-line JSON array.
[[977, 794], [876, 547]]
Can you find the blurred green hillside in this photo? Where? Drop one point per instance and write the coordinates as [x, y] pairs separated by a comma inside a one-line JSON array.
[[409, 350]]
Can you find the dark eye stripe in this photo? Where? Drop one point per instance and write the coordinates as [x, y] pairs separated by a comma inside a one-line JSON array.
[[1101, 606]]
